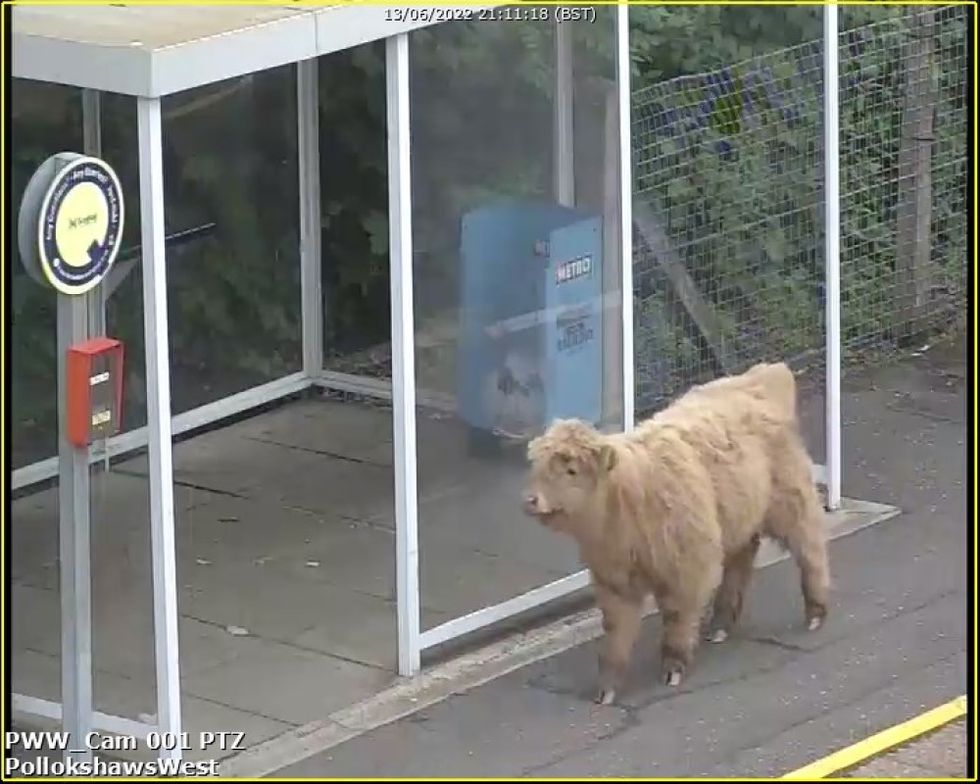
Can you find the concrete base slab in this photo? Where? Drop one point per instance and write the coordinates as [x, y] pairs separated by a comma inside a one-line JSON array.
[[284, 683], [470, 670], [285, 563], [327, 427], [119, 696], [228, 462]]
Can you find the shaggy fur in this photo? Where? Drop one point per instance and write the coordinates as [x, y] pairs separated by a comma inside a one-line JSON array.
[[677, 508]]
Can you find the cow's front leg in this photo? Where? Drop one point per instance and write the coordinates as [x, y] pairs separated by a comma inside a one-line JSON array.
[[621, 616]]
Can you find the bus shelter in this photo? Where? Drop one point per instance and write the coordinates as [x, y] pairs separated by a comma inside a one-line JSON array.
[[201, 566]]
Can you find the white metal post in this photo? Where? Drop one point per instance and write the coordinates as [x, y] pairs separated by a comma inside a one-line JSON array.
[[613, 259], [308, 118], [403, 353], [155, 330], [92, 122], [564, 116], [831, 120], [92, 145], [74, 549], [626, 210]]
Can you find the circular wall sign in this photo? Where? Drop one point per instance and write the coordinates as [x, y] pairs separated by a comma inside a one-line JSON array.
[[70, 222]]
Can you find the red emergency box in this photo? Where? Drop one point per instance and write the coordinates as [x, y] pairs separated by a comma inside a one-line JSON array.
[[94, 374]]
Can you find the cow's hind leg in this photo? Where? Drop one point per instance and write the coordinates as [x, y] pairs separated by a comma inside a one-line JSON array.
[[731, 593], [808, 544], [796, 519]]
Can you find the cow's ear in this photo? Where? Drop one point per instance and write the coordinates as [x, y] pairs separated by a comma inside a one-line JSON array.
[[607, 458]]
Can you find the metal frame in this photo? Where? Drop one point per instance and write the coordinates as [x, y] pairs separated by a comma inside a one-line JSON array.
[[35, 706], [92, 145], [624, 87], [485, 616], [564, 117], [74, 538], [403, 353], [74, 316], [831, 129], [308, 120], [202, 416], [156, 330], [87, 316]]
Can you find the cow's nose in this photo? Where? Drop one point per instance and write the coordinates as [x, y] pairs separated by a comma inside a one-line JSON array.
[[530, 502]]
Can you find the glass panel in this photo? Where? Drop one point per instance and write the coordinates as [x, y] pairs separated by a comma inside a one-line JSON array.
[[233, 275], [285, 554], [122, 576], [516, 294], [354, 209], [122, 593], [45, 119], [124, 304]]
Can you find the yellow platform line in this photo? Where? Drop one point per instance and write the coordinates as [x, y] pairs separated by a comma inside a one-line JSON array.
[[886, 739]]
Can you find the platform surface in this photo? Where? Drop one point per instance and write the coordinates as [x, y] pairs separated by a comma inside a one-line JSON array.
[[286, 567]]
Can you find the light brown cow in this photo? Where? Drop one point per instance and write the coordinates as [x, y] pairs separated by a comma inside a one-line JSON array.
[[677, 508]]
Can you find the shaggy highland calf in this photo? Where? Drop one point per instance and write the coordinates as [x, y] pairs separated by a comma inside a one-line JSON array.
[[677, 508]]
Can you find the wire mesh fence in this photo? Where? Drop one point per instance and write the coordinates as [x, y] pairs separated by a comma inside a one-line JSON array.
[[729, 265]]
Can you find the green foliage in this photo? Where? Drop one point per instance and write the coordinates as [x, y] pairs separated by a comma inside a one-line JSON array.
[[727, 139], [732, 160]]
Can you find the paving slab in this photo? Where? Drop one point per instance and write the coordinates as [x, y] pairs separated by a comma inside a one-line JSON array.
[[889, 768], [202, 715], [120, 510], [364, 490], [39, 675], [346, 554], [35, 618], [490, 519], [328, 427], [35, 674], [371, 636], [458, 580], [245, 530], [262, 602], [199, 716], [226, 461], [285, 683], [337, 488]]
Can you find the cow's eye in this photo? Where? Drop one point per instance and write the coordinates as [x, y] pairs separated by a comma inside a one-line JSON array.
[[572, 471]]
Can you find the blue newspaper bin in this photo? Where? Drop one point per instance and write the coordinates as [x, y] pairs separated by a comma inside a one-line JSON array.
[[531, 319]]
